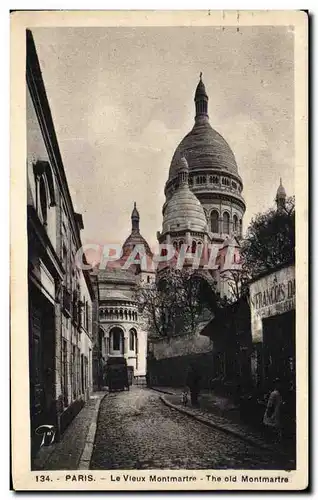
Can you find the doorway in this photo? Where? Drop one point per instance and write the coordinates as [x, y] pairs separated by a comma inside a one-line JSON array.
[[41, 360], [279, 348]]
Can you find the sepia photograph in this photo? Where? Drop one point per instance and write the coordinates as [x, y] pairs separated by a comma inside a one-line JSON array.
[[163, 209]]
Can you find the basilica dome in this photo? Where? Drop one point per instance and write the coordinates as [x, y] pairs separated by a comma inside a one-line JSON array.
[[183, 210], [204, 147], [133, 240], [214, 179]]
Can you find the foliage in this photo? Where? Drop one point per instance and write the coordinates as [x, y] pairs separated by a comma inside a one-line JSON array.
[[237, 280], [270, 240], [176, 302]]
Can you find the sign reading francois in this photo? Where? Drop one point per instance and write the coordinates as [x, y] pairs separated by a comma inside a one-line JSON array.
[[272, 295], [280, 289]]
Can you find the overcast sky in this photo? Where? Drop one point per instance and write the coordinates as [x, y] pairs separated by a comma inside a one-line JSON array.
[[122, 100]]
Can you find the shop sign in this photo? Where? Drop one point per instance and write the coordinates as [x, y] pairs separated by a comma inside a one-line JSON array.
[[274, 294]]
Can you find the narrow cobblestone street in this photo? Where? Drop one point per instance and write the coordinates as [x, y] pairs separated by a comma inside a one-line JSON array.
[[137, 431]]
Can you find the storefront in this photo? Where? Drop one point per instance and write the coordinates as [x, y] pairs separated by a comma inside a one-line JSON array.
[[272, 301]]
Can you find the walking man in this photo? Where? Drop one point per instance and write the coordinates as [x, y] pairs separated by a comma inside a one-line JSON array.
[[193, 382]]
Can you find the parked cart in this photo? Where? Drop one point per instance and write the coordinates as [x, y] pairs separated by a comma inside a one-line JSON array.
[[117, 374]]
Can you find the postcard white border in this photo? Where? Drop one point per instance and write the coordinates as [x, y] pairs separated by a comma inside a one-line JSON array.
[[23, 478]]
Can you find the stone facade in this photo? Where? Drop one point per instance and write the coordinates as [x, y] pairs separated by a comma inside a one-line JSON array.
[[121, 328], [60, 294], [180, 345], [169, 359]]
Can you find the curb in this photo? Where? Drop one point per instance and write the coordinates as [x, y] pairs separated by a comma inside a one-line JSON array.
[[84, 462], [162, 391], [208, 422]]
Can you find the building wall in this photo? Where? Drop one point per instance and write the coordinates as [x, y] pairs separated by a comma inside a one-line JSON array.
[[172, 371], [96, 347], [169, 359], [222, 206], [36, 150], [117, 309], [180, 345], [60, 336], [136, 357], [87, 331], [216, 196]]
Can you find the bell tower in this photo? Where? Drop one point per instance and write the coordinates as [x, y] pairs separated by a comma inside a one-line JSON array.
[[201, 101]]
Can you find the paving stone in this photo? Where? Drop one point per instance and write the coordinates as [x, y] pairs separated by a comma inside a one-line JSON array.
[[135, 430]]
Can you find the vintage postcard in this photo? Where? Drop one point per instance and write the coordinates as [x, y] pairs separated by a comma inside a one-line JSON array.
[[159, 280]]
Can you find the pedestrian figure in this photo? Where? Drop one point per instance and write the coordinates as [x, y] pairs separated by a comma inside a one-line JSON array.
[[272, 416], [193, 382], [184, 397]]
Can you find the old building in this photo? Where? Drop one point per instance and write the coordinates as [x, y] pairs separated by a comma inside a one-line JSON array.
[[121, 329], [273, 326], [60, 294], [204, 206], [203, 217], [213, 173]]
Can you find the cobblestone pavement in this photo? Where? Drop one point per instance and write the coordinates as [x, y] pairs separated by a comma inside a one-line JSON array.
[[136, 430]]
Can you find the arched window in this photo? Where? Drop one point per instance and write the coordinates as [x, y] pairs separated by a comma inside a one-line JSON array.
[[194, 247], [148, 279], [226, 223], [214, 221], [241, 228], [235, 223], [117, 338], [132, 340]]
